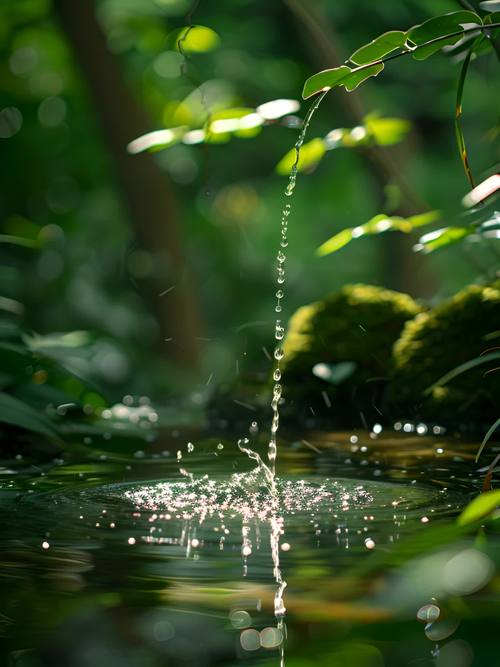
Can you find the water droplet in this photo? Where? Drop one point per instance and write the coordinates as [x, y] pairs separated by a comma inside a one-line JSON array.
[[190, 447], [277, 375], [428, 613], [441, 630], [254, 428], [279, 354], [280, 294]]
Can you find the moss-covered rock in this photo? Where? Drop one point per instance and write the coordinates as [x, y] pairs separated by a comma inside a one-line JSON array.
[[350, 334], [438, 341]]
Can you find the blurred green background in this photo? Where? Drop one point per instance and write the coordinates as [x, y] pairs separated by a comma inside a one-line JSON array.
[[168, 257]]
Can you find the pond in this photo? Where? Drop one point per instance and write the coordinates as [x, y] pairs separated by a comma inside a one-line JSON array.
[[179, 555]]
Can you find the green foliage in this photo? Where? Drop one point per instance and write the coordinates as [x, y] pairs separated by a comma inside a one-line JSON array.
[[490, 5], [339, 76], [437, 28], [310, 154], [420, 42], [440, 340], [441, 238], [193, 39], [220, 126], [375, 131], [377, 225], [379, 47], [480, 508], [487, 437], [350, 336], [20, 414]]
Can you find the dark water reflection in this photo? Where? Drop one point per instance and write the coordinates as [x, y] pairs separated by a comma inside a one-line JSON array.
[[97, 571]]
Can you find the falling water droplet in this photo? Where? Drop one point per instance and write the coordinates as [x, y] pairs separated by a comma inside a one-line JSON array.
[[277, 375], [279, 354]]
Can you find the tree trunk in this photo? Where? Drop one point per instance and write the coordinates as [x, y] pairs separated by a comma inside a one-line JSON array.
[[146, 189]]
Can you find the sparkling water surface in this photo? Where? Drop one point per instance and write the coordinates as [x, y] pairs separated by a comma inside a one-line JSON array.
[[187, 553]]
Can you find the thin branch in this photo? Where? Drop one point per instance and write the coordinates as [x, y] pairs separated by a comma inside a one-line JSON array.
[[466, 5], [462, 149]]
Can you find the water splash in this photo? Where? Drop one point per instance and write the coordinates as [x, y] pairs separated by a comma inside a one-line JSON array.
[[279, 328]]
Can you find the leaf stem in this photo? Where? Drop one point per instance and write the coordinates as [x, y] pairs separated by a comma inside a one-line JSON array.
[[462, 149]]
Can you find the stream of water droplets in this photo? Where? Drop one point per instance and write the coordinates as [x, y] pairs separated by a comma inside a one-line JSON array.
[[279, 327], [277, 522]]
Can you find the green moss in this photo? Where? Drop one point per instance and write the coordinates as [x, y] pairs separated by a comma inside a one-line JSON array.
[[438, 341], [358, 324]]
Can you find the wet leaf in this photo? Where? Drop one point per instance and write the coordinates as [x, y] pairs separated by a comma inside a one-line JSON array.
[[310, 154], [379, 47], [358, 76], [479, 508], [328, 78]]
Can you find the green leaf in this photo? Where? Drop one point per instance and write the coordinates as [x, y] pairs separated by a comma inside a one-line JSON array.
[[490, 5], [310, 154], [335, 242], [424, 218], [462, 368], [441, 238], [437, 27], [488, 435], [361, 74], [479, 508], [377, 225], [334, 373], [328, 78], [18, 240], [379, 47], [490, 228], [387, 131], [157, 140], [17, 413], [492, 18], [193, 39]]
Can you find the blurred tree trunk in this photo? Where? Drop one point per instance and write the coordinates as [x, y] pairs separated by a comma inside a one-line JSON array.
[[145, 187], [402, 268]]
